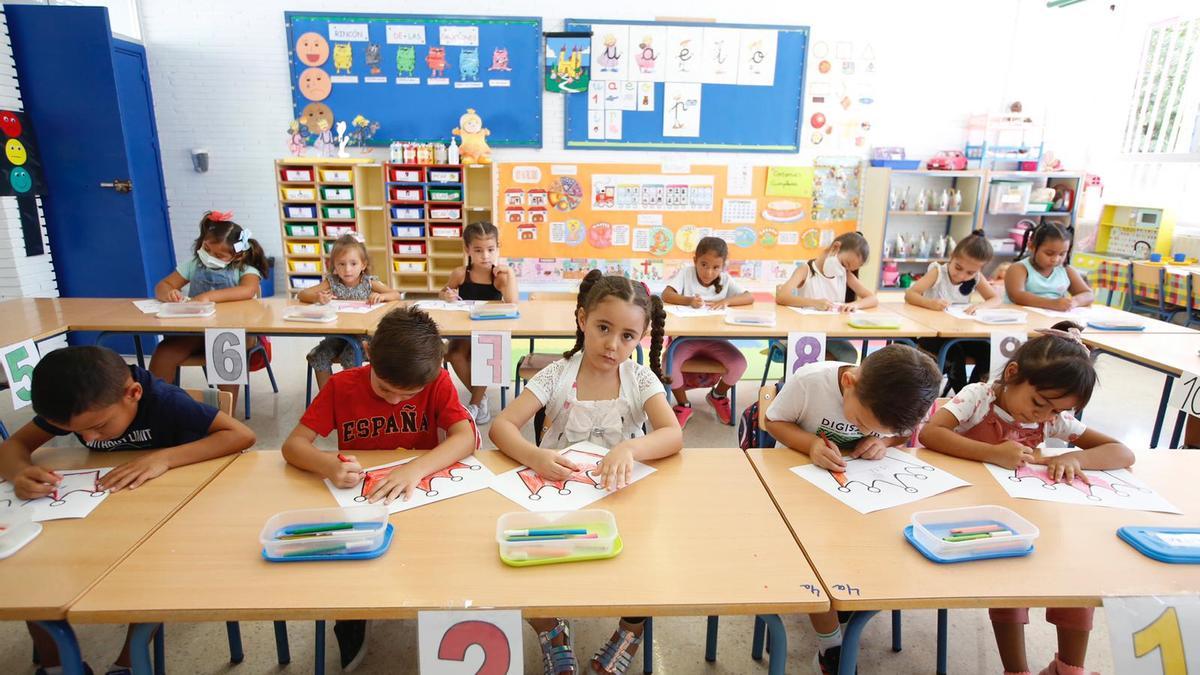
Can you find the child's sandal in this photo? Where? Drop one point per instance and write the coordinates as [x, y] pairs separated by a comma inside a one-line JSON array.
[[557, 659], [616, 656]]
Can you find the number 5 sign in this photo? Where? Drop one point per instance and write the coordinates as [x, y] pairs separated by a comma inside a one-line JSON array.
[[803, 349], [225, 355], [19, 360], [1154, 635], [491, 358], [446, 640]]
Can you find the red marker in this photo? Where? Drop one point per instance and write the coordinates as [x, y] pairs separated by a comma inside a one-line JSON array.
[[344, 458]]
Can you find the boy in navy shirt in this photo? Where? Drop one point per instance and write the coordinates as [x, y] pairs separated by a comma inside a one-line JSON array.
[[110, 405]]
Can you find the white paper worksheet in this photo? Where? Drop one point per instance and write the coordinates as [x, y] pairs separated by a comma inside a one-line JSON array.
[[530, 491], [873, 484], [75, 497], [457, 479], [1117, 488]]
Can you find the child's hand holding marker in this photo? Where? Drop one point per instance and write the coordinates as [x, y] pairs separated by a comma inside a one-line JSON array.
[[552, 465], [347, 473], [697, 303], [1012, 455], [449, 295], [826, 455], [870, 447], [616, 469], [34, 482]]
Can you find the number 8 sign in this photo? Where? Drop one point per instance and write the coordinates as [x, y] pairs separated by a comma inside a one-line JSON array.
[[446, 640], [803, 349]]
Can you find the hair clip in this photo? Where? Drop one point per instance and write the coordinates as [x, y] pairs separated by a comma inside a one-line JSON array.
[[646, 287], [1071, 334], [220, 216], [243, 242]]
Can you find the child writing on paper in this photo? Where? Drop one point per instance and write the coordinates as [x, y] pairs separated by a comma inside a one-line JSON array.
[[228, 265], [483, 278], [1046, 380], [828, 282], [828, 407], [110, 406], [953, 283], [402, 400], [1045, 279], [597, 394], [351, 279], [705, 282]]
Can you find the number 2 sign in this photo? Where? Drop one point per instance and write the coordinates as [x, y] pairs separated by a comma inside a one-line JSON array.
[[446, 640], [491, 358], [1159, 635], [803, 349], [19, 360]]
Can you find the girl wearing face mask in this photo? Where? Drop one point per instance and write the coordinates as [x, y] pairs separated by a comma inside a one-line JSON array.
[[228, 265], [831, 282]]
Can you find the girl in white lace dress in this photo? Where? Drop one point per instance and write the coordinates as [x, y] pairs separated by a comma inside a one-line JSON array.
[[597, 394]]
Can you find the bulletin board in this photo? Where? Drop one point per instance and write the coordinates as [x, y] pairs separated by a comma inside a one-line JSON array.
[[689, 86], [416, 75], [617, 212]]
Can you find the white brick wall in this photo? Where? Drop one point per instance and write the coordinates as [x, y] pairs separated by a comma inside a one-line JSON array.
[[220, 76], [20, 275]]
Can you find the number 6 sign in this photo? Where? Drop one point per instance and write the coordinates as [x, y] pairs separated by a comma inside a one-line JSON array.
[[491, 358], [1004, 345], [19, 360], [446, 640], [225, 355], [803, 349], [1159, 635]]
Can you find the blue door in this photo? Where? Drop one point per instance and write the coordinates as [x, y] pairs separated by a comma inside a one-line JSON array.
[[87, 96]]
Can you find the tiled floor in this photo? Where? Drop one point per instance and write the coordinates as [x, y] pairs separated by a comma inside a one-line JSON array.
[[1123, 406]]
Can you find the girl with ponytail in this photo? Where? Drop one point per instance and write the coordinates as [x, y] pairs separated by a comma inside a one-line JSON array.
[[597, 393], [1045, 278]]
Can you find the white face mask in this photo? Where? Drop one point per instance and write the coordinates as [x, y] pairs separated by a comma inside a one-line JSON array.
[[209, 260]]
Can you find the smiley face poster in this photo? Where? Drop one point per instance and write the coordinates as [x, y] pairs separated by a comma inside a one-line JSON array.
[[20, 164]]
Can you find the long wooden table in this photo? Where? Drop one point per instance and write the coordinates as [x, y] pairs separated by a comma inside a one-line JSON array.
[[43, 579], [949, 326], [866, 565], [39, 318], [685, 553]]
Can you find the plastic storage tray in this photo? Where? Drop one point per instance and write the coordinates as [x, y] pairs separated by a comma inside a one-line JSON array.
[[495, 310], [310, 313], [301, 229], [366, 533], [1001, 316], [928, 528], [300, 283], [873, 320], [526, 553], [336, 175], [750, 317], [186, 310]]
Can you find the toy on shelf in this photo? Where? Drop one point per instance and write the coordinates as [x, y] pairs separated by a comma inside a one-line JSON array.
[[923, 200], [343, 139], [939, 247], [956, 200], [901, 246], [891, 274], [904, 200], [474, 148], [944, 200], [893, 158], [947, 160], [923, 246]]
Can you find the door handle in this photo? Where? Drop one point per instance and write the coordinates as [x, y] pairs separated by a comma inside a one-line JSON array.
[[119, 185]]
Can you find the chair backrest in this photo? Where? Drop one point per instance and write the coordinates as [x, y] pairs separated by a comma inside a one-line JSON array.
[[221, 400], [553, 295], [765, 396], [1149, 275]]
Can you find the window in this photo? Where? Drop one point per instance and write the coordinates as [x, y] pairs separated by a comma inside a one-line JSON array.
[[1165, 110]]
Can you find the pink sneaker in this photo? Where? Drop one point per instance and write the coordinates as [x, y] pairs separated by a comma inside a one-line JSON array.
[[1057, 667], [682, 413], [721, 407]]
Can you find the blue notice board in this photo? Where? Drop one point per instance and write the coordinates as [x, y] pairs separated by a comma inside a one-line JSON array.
[[747, 108], [416, 75]]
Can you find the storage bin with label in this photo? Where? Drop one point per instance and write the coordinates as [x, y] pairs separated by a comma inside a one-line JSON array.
[[303, 248], [406, 175], [444, 176], [1009, 196], [300, 283], [407, 213], [448, 231], [442, 213], [445, 195], [337, 194], [339, 212], [301, 229], [414, 231], [303, 266], [336, 175], [301, 175], [338, 229], [301, 211], [406, 194], [409, 247], [409, 265], [295, 194]]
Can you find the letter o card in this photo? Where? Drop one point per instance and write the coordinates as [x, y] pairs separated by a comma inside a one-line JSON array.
[[803, 349], [487, 642], [491, 358]]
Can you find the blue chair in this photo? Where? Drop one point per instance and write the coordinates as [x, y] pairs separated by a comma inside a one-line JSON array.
[[1154, 305], [199, 360]]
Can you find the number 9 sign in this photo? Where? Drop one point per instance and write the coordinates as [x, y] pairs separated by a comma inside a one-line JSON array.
[[1004, 346], [803, 349], [446, 640]]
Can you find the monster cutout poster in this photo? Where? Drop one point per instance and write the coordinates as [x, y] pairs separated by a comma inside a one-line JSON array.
[[414, 75]]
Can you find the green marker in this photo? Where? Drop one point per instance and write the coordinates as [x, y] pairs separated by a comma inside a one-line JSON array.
[[310, 529]]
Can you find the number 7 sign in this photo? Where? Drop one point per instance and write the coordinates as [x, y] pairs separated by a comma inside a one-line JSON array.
[[446, 640], [491, 358]]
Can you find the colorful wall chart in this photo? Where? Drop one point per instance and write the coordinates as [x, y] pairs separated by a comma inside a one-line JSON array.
[[558, 220], [689, 86], [840, 96], [415, 75]]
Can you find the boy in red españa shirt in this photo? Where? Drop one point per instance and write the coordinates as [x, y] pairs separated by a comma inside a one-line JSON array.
[[402, 400]]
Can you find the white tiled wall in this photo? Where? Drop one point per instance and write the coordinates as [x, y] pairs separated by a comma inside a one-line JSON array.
[[20, 275]]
